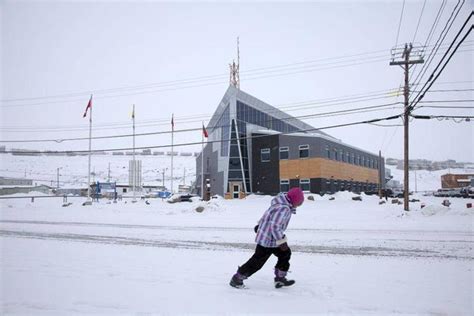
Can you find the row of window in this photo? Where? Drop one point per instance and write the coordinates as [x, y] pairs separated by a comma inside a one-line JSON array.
[[305, 185], [331, 186], [355, 159], [340, 155], [284, 153], [251, 115]]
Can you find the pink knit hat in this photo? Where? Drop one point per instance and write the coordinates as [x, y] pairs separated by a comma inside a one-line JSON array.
[[296, 196]]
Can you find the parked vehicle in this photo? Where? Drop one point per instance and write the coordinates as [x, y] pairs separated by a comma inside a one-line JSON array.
[[449, 192], [467, 192], [395, 193], [180, 198]]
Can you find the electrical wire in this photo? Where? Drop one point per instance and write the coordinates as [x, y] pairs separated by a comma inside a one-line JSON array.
[[419, 20], [216, 141], [191, 83], [428, 39], [380, 94], [440, 40], [319, 115], [433, 80], [400, 23]]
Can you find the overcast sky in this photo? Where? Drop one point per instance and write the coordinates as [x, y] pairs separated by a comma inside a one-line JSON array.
[[55, 54]]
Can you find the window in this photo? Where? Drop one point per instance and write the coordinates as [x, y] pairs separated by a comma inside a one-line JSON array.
[[234, 163], [305, 184], [335, 154], [284, 185], [363, 161], [376, 165], [341, 155], [265, 154], [352, 158], [358, 160], [347, 157], [328, 152], [304, 151], [284, 153]]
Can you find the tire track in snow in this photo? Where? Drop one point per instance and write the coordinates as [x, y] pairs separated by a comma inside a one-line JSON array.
[[226, 246]]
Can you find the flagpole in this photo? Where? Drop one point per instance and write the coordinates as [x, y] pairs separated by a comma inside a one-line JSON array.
[[90, 149], [172, 151], [202, 163], [134, 178]]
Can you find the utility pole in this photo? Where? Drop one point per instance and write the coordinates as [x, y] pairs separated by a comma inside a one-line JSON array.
[[134, 163], [416, 189], [57, 177], [380, 174], [163, 175], [405, 63], [108, 176]]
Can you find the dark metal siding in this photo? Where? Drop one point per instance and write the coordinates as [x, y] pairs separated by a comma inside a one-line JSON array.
[[265, 175]]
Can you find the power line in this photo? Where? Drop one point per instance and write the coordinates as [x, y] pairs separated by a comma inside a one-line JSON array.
[[447, 90], [400, 23], [254, 72], [440, 40], [419, 20], [428, 39], [446, 101], [219, 141], [319, 115], [428, 117], [433, 80], [192, 82], [355, 98], [445, 107]]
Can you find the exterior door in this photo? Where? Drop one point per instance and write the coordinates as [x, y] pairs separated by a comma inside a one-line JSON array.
[[235, 191]]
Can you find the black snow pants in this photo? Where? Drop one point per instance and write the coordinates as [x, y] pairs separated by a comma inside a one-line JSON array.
[[261, 256]]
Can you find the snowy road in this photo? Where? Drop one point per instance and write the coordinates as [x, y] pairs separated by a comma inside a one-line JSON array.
[[393, 243], [349, 258]]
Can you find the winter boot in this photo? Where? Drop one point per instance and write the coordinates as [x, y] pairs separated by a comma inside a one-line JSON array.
[[237, 280], [281, 280]]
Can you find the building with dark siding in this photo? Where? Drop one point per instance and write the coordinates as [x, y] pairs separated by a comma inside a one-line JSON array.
[[255, 148]]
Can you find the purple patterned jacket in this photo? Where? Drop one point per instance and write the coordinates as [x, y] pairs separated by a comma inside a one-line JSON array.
[[274, 221]]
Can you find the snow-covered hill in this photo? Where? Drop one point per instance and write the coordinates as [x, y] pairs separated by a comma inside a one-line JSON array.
[[73, 170]]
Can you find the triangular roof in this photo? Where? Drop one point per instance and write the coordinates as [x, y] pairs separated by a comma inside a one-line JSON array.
[[261, 106]]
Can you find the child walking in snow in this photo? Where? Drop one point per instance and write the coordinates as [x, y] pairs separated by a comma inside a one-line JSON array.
[[271, 239]]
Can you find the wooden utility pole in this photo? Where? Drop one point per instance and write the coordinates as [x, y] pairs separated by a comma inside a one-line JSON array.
[[405, 63], [380, 174]]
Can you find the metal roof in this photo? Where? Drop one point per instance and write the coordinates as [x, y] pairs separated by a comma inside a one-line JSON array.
[[261, 106]]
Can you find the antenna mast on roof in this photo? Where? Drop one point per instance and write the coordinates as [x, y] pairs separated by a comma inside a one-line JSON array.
[[234, 69]]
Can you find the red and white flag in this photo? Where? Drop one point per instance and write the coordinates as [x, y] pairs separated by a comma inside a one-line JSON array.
[[204, 131], [89, 105]]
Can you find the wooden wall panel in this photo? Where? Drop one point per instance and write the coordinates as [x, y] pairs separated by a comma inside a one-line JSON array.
[[324, 168]]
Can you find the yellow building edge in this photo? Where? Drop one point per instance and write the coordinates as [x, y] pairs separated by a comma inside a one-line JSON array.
[[327, 169]]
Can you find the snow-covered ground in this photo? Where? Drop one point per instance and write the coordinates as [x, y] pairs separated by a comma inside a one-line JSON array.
[[349, 257]]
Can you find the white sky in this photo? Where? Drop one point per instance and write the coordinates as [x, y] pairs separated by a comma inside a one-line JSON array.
[[61, 48]]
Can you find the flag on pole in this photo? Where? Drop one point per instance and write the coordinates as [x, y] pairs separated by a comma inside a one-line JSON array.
[[89, 105], [172, 121], [204, 131], [133, 112]]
